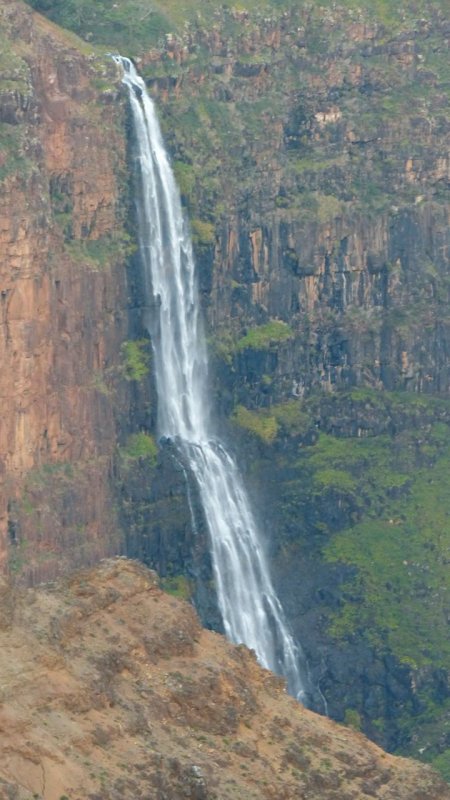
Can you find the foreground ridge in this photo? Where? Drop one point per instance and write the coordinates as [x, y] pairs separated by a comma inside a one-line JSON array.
[[112, 690]]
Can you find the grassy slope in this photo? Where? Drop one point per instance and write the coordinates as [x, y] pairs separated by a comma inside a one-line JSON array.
[[136, 24], [396, 484], [393, 534]]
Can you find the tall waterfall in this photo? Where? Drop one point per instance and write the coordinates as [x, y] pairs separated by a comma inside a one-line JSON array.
[[250, 608]]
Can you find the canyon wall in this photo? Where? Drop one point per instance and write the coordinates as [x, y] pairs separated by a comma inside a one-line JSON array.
[[319, 152], [63, 297], [312, 153], [311, 149]]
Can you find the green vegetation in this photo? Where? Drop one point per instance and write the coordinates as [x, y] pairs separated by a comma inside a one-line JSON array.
[[400, 594], [95, 253], [203, 233], [140, 446], [138, 23], [258, 423], [265, 336], [185, 178], [329, 207], [99, 382], [226, 345], [392, 532], [178, 586], [442, 764], [352, 718], [222, 346], [136, 358], [376, 509], [285, 419], [14, 70], [336, 479], [291, 419], [42, 477], [129, 26], [217, 144], [367, 463], [12, 158], [17, 557]]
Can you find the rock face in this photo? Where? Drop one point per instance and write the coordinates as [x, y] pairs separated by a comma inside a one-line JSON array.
[[311, 148], [330, 210], [62, 298], [111, 689]]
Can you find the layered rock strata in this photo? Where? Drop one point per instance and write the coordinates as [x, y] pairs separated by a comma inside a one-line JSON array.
[[62, 297]]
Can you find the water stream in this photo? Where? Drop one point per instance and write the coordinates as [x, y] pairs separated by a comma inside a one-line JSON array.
[[250, 608]]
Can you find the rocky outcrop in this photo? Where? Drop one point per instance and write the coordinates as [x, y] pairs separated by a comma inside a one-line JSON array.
[[111, 689], [62, 298]]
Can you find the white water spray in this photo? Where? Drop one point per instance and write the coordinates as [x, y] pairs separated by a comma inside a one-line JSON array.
[[249, 606]]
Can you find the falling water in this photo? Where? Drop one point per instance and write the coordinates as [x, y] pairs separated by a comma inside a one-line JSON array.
[[249, 606]]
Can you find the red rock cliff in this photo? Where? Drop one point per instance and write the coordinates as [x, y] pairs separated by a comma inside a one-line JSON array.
[[62, 289]]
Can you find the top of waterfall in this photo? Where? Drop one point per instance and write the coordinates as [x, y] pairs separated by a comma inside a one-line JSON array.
[[126, 64], [130, 77]]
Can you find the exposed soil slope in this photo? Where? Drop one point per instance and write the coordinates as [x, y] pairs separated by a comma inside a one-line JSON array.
[[111, 689]]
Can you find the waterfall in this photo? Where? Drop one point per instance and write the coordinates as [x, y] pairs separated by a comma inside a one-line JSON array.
[[250, 608]]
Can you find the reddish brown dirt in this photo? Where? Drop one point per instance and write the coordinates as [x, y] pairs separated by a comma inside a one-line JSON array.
[[110, 689]]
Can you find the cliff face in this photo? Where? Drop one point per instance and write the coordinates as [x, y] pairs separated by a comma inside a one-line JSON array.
[[311, 147], [63, 297], [318, 150], [111, 689]]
